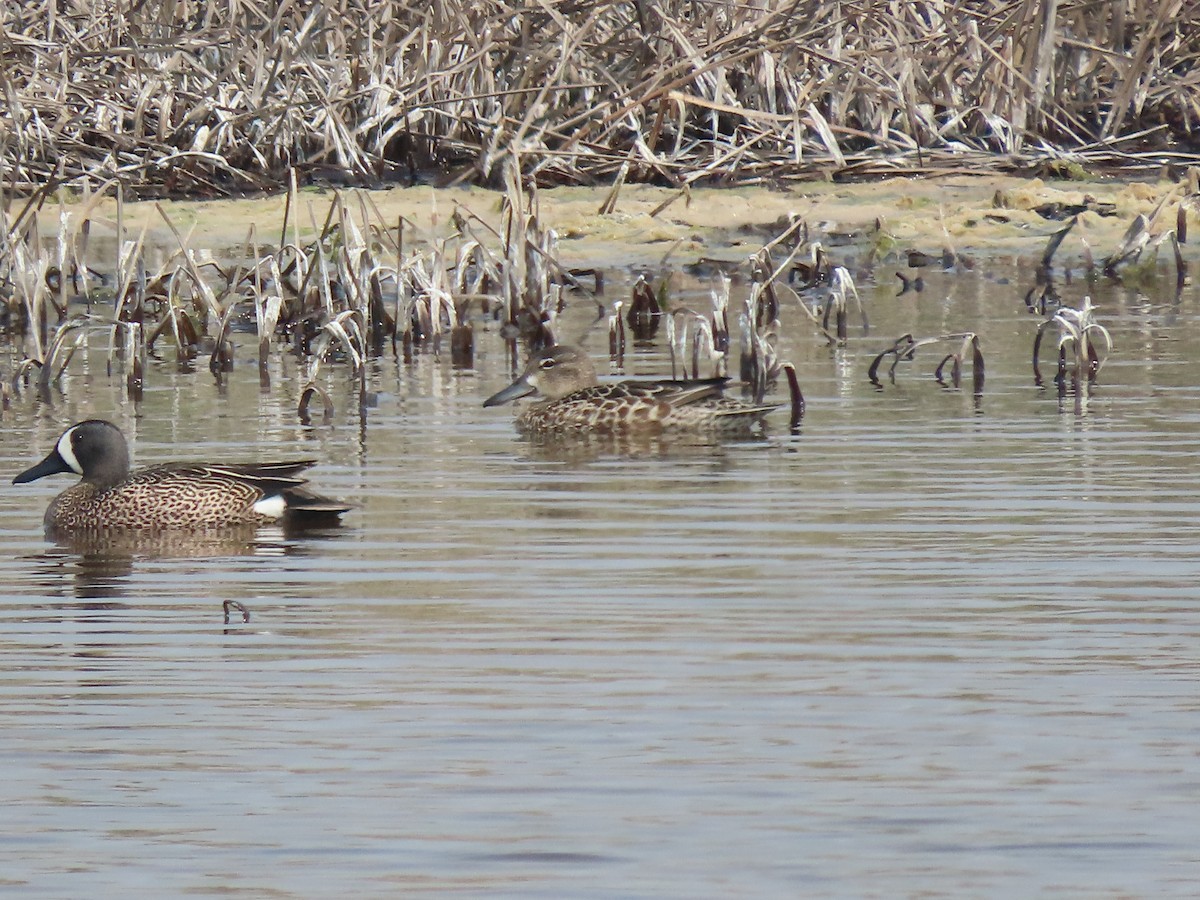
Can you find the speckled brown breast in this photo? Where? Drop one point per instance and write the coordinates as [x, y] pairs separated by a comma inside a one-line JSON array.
[[164, 497]]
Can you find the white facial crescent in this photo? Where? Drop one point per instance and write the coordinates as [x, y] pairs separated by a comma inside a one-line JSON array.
[[65, 451]]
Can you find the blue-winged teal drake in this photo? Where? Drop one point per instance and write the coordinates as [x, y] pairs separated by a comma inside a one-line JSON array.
[[173, 495], [574, 400]]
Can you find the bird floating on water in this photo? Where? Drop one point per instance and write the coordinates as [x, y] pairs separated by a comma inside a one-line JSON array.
[[574, 400], [172, 495]]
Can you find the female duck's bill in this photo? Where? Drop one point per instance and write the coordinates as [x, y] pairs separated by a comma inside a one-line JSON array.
[[170, 496], [515, 391], [573, 399]]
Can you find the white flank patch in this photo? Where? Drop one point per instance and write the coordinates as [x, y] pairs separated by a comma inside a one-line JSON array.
[[65, 451], [272, 506]]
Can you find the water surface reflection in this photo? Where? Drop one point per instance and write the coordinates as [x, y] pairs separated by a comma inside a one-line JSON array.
[[927, 644]]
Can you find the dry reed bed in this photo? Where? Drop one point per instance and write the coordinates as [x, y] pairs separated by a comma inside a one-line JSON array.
[[192, 97]]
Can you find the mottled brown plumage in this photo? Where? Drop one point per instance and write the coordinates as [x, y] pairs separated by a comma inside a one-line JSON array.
[[574, 400], [170, 496]]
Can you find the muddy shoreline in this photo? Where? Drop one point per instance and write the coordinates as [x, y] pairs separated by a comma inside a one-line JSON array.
[[981, 216]]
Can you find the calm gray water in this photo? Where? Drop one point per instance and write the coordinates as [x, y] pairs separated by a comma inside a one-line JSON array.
[[930, 645]]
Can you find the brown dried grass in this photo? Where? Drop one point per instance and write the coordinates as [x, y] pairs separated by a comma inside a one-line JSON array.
[[192, 97]]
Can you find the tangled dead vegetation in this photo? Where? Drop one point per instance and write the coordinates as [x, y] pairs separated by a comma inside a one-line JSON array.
[[199, 98]]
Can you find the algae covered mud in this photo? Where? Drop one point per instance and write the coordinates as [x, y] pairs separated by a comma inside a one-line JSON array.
[[984, 215]]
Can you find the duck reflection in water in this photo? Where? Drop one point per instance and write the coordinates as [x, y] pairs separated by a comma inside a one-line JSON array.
[[115, 516], [100, 564], [583, 447]]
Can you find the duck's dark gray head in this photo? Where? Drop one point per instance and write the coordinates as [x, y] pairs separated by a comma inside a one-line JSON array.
[[95, 449], [554, 373]]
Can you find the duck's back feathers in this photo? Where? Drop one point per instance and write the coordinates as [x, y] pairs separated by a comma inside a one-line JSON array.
[[633, 406]]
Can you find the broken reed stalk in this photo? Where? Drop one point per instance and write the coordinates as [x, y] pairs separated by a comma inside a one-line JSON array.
[[70, 335], [268, 306], [616, 335], [1055, 242], [795, 395], [842, 287], [1083, 344], [645, 310], [303, 411], [970, 342], [759, 363], [904, 349]]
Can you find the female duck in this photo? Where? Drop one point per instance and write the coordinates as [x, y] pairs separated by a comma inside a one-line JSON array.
[[575, 400]]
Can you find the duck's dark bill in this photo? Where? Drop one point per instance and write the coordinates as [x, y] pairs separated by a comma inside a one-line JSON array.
[[51, 465], [518, 388]]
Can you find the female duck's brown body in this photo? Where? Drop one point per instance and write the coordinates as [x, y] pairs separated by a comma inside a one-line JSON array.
[[170, 496], [575, 401]]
